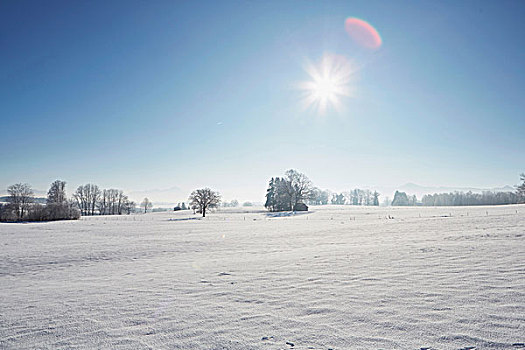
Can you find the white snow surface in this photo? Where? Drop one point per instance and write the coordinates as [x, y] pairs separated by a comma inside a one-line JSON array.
[[337, 277]]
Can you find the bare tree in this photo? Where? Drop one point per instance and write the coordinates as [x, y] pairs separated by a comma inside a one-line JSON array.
[[114, 202], [57, 193], [87, 198], [103, 203], [122, 201], [20, 197], [375, 196], [81, 200], [93, 197], [146, 204], [203, 199], [298, 187], [129, 207]]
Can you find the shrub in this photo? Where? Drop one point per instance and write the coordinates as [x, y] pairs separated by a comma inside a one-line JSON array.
[[38, 212]]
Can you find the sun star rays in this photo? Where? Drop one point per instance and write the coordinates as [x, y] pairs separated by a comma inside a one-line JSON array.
[[329, 84]]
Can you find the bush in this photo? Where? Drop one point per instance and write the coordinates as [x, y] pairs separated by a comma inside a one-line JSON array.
[[7, 213], [38, 212]]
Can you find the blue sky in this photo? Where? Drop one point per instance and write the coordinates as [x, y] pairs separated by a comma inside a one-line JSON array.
[[151, 95]]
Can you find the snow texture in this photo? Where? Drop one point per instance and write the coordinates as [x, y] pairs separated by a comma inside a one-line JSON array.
[[333, 278]]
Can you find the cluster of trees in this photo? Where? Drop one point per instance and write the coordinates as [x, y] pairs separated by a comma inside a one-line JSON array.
[[356, 197], [235, 203], [402, 199], [88, 199], [463, 198], [284, 194], [319, 197], [469, 198], [91, 200], [232, 204], [21, 204]]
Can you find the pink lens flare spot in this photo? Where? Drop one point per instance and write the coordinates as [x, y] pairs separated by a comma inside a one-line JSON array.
[[363, 33]]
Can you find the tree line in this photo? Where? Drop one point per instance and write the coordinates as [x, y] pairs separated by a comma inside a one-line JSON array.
[[91, 200], [287, 192], [469, 198], [459, 198], [283, 194], [88, 199], [353, 197], [21, 205]]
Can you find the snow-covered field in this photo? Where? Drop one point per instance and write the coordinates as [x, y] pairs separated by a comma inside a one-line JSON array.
[[334, 278]]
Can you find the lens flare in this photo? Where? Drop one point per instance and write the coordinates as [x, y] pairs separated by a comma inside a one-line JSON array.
[[363, 33], [329, 82]]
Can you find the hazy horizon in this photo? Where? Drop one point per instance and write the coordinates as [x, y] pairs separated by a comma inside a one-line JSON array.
[[144, 96], [175, 194]]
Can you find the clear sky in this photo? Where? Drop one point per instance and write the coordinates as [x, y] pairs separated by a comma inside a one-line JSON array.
[[143, 95]]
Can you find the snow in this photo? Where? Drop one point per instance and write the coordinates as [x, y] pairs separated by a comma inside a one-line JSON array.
[[333, 278]]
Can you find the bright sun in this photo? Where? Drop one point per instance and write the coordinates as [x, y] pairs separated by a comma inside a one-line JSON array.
[[329, 83]]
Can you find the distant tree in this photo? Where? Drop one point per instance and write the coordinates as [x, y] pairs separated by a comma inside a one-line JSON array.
[[271, 198], [234, 203], [103, 203], [146, 204], [367, 197], [129, 207], [7, 213], [121, 202], [20, 197], [298, 187], [355, 197], [338, 198], [87, 198], [57, 207], [183, 206], [113, 201], [93, 195], [281, 195], [57, 193], [400, 199], [375, 197], [521, 189], [247, 204], [318, 197], [323, 197], [203, 199]]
